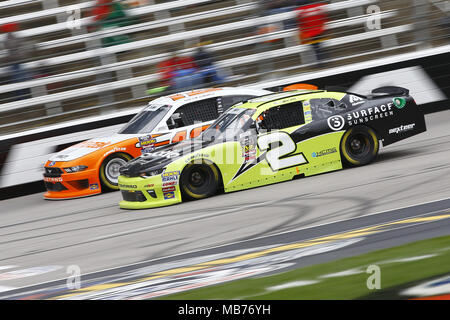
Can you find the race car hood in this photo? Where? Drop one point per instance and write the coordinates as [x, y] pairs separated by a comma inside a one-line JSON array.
[[162, 157], [86, 147]]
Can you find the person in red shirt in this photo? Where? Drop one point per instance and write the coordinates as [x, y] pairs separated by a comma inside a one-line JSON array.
[[311, 20], [179, 72]]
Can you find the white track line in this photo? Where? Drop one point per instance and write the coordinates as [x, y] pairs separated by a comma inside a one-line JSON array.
[[257, 238]]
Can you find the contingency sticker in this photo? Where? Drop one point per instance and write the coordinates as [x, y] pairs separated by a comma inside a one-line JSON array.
[[248, 145], [169, 195], [170, 176], [147, 143]]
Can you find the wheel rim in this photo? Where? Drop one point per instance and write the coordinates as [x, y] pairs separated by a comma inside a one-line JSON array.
[[197, 178], [112, 169], [358, 145]]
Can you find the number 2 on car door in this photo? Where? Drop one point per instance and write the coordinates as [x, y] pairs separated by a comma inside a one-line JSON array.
[[278, 157]]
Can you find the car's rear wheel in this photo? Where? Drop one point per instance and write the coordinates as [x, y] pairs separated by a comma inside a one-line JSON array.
[[359, 146], [109, 170], [199, 180]]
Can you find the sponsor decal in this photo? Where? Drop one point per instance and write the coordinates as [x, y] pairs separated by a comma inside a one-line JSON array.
[[248, 145], [147, 143], [168, 189], [93, 186], [196, 156], [402, 128], [399, 102], [48, 179], [127, 186], [169, 195], [116, 149], [324, 152], [92, 144], [354, 100], [336, 122], [369, 114], [165, 154], [149, 185], [170, 176], [170, 183], [51, 164], [249, 153]]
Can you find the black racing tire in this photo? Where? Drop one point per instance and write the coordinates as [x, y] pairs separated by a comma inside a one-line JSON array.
[[199, 180], [359, 146], [109, 170]]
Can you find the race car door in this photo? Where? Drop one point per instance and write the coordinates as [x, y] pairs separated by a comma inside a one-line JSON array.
[[282, 158], [287, 155]]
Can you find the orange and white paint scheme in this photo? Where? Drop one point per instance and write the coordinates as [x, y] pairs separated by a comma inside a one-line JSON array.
[[92, 166]]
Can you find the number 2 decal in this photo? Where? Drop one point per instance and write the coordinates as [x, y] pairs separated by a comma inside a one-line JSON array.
[[280, 151]]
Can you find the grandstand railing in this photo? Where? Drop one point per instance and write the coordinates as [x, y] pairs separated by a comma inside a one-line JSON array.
[[224, 62]]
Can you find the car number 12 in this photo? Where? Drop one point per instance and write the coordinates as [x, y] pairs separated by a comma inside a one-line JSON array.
[[280, 151]]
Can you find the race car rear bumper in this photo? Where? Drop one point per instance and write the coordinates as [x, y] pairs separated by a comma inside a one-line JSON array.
[[71, 185], [145, 193]]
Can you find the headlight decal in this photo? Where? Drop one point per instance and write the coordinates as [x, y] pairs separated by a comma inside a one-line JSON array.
[[151, 173], [75, 169]]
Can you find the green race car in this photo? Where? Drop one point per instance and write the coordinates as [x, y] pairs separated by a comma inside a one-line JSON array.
[[269, 139]]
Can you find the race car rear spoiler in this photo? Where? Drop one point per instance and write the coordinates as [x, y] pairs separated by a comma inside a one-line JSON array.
[[390, 91]]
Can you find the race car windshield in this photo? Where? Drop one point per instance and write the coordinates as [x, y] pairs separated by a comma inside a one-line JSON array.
[[229, 125], [146, 120]]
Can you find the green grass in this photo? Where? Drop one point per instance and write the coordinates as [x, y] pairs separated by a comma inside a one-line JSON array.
[[345, 287]]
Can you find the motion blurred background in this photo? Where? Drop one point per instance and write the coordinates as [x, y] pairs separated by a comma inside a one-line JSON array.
[[65, 59]]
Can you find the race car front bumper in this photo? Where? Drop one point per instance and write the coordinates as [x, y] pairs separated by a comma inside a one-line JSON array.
[[62, 185], [149, 192]]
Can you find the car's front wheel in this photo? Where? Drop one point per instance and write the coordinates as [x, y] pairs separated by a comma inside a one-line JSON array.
[[199, 180], [359, 146], [109, 170]]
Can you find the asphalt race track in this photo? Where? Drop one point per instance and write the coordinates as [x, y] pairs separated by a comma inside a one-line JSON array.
[[41, 241]]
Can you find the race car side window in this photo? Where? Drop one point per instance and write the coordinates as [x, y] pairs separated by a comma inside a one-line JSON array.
[[146, 120], [194, 112], [174, 121], [325, 107], [284, 116], [225, 102]]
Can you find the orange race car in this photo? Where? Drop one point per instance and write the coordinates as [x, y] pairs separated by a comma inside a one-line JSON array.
[[91, 166]]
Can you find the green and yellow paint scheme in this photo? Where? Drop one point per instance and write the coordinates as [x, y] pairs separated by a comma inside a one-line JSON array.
[[258, 153]]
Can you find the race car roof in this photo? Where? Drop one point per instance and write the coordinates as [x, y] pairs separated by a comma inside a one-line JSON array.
[[181, 98], [272, 97], [265, 102]]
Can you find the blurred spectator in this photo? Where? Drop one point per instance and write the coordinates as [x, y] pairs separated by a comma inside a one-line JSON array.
[[109, 14], [179, 72], [44, 70], [205, 63], [18, 51], [312, 21], [270, 7]]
